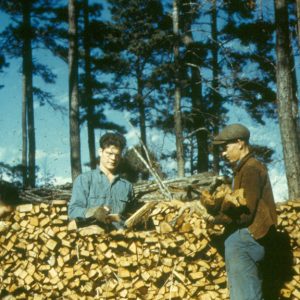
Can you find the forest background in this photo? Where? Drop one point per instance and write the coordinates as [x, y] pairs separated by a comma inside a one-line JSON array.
[[171, 72]]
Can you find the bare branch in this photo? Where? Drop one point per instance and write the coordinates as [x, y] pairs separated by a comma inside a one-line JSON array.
[[163, 188]]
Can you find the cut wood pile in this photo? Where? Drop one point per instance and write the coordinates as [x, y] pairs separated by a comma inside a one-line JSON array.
[[44, 256]]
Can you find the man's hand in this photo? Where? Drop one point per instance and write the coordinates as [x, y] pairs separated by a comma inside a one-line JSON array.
[[197, 208], [100, 213], [209, 219], [194, 207]]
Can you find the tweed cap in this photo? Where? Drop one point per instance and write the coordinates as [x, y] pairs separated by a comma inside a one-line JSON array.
[[232, 132]]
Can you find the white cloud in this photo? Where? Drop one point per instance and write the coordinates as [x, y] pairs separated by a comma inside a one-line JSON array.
[[62, 99], [55, 154], [47, 178], [156, 137], [62, 180], [170, 167], [40, 154], [36, 105], [5, 177], [132, 137], [2, 153], [126, 115], [10, 155], [279, 185]]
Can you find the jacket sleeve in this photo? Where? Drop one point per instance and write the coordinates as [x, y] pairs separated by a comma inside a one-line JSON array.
[[252, 181], [78, 204], [222, 219]]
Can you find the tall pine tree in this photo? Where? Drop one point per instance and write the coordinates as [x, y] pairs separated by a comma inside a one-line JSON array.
[[17, 41]]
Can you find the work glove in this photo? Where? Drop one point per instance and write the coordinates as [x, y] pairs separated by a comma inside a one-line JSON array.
[[100, 213]]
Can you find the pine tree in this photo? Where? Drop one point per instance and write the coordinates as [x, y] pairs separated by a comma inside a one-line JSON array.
[[88, 85], [287, 100], [92, 85], [298, 21], [73, 91], [177, 94], [17, 41], [135, 44], [91, 31], [132, 55]]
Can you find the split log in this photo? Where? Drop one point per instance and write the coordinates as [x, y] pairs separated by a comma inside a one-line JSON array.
[[141, 214]]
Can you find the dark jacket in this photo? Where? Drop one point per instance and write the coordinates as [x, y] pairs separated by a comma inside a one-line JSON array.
[[252, 176]]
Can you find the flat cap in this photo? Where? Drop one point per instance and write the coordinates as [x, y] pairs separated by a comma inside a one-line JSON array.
[[232, 132]]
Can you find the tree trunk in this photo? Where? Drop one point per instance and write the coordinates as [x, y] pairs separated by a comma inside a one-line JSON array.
[[73, 92], [141, 105], [199, 122], [28, 99], [215, 85], [142, 119], [24, 134], [88, 89], [177, 96], [288, 116], [198, 108], [298, 21]]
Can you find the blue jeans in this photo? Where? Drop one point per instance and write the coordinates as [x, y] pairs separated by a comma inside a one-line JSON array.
[[242, 255]]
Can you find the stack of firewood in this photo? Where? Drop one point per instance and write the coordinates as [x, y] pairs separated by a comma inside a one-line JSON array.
[[289, 222], [44, 256]]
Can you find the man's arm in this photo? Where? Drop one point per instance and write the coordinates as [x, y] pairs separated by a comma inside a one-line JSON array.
[[77, 206], [130, 203], [252, 184]]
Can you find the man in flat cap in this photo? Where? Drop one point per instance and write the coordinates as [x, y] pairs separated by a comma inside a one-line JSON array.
[[244, 247]]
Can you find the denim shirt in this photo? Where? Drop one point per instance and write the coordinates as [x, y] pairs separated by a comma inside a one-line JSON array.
[[93, 188]]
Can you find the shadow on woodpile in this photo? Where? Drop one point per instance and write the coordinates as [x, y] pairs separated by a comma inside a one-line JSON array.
[[9, 193], [277, 266]]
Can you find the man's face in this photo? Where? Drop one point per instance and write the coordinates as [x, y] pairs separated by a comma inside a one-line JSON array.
[[110, 158], [232, 151]]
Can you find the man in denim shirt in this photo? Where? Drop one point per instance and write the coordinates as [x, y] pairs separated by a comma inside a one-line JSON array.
[[101, 195]]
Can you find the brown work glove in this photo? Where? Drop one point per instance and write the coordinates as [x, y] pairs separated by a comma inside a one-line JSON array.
[[100, 213]]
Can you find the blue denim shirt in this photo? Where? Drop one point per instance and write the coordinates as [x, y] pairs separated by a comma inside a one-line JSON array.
[[93, 188]]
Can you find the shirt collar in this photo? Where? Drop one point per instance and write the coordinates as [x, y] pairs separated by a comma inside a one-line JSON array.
[[242, 161], [116, 176]]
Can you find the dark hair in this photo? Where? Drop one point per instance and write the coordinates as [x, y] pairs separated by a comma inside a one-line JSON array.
[[9, 193], [112, 139]]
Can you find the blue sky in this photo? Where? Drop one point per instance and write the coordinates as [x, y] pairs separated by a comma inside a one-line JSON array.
[[52, 128]]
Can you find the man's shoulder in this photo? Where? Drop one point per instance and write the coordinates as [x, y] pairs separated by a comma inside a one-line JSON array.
[[125, 181], [88, 175], [254, 163]]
